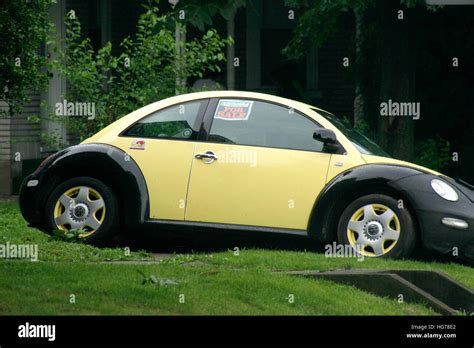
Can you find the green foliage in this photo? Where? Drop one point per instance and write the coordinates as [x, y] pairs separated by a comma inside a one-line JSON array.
[[317, 22], [145, 71], [154, 280], [23, 28], [72, 235], [151, 279], [320, 18], [346, 121], [363, 127], [200, 13], [433, 153]]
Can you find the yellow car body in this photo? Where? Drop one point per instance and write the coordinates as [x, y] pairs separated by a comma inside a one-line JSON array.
[[232, 160], [279, 192]]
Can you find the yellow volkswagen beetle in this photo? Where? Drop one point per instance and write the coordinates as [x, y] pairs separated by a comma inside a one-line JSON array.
[[232, 160]]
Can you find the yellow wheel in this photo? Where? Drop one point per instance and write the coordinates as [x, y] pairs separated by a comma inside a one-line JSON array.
[[86, 205], [373, 230], [374, 226], [80, 208]]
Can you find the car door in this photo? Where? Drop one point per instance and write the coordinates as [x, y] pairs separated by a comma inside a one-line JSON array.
[[162, 144], [260, 167]]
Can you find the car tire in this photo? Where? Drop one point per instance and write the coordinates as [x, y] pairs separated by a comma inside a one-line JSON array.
[[375, 226], [84, 204]]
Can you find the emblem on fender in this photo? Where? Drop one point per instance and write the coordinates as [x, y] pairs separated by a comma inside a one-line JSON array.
[[138, 144]]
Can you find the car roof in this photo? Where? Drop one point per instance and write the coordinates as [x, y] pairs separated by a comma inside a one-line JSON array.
[[237, 94]]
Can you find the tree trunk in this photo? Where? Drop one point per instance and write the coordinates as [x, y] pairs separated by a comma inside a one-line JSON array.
[[231, 51], [398, 59], [359, 91], [180, 39]]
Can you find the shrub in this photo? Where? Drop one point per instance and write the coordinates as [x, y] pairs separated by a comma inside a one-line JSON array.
[[145, 71], [433, 153], [24, 26]]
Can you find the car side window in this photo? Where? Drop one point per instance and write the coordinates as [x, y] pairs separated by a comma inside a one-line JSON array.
[[175, 122], [257, 123]]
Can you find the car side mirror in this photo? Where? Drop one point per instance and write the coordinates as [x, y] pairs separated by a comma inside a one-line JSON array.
[[328, 138]]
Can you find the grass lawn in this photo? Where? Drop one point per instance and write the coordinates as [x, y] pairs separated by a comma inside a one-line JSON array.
[[198, 284]]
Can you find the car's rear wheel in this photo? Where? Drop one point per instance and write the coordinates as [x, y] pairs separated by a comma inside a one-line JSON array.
[[376, 226], [85, 205]]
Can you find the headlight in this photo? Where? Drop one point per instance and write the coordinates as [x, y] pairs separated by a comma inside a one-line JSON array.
[[444, 190]]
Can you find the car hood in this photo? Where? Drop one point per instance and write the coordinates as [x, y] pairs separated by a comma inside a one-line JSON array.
[[370, 159]]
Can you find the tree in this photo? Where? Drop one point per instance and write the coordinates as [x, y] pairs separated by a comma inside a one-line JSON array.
[[319, 20], [397, 79], [396, 46], [145, 71], [201, 13], [23, 28]]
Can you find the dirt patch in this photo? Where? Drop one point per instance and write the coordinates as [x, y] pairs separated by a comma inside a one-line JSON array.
[[154, 258], [196, 263]]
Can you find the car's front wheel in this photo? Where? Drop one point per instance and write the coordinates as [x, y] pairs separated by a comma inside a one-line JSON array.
[[376, 226], [85, 205]]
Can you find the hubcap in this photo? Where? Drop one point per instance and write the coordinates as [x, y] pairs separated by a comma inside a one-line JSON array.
[[80, 207], [373, 230], [80, 211]]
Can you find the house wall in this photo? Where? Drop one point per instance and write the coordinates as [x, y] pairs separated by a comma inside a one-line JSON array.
[[20, 146], [19, 143], [5, 157]]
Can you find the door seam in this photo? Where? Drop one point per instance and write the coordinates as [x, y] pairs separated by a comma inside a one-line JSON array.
[[327, 171], [189, 183]]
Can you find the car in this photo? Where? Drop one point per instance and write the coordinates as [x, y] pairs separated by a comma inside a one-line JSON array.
[[234, 160]]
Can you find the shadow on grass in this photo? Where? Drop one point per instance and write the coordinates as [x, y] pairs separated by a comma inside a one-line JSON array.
[[219, 240]]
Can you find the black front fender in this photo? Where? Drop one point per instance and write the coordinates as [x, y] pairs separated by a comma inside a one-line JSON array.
[[349, 185], [104, 162]]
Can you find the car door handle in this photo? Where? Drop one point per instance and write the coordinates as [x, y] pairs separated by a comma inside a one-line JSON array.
[[207, 157]]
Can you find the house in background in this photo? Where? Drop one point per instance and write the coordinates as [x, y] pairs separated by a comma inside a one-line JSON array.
[[262, 29]]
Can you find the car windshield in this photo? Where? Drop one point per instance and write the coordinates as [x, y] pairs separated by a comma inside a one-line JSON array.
[[360, 141]]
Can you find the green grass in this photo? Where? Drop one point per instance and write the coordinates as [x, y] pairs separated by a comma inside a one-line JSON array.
[[219, 283], [13, 229], [291, 260], [117, 289]]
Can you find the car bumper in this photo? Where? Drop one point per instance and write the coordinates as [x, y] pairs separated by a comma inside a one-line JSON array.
[[447, 239], [434, 215], [34, 192], [29, 201]]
